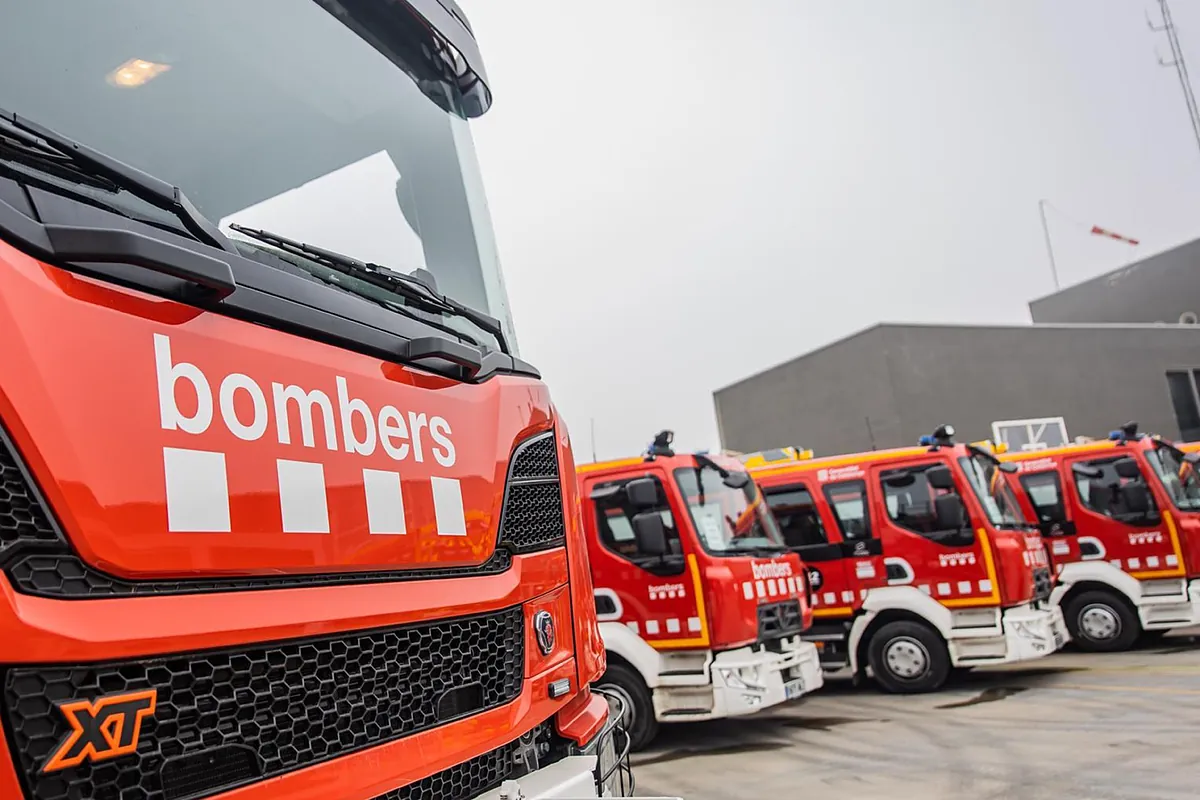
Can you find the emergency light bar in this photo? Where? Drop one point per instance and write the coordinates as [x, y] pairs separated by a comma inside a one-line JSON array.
[[779, 455]]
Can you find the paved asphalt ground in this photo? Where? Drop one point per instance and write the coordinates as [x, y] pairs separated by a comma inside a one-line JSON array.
[[1069, 727]]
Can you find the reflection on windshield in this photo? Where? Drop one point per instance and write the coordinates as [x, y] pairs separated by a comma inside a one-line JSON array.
[[993, 491], [1177, 476], [727, 519], [274, 114], [315, 208]]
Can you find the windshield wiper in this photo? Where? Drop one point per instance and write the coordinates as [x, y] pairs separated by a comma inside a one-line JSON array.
[[419, 294], [29, 141]]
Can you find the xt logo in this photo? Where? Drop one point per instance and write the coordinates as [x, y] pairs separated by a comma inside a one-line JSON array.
[[104, 729]]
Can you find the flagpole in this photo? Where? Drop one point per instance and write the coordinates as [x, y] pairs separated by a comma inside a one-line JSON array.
[[1049, 244]]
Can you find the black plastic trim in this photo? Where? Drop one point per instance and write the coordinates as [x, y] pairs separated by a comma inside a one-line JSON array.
[[114, 246], [281, 297]]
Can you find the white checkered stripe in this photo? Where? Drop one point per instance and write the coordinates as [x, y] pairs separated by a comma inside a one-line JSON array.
[[197, 487], [786, 588], [673, 625], [945, 589]]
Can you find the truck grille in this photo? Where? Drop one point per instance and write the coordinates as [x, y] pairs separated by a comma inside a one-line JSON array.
[[39, 561], [533, 511], [779, 619], [462, 781], [265, 710], [1042, 584]]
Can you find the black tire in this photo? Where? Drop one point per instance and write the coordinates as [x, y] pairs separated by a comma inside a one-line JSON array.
[[908, 658], [639, 721], [1101, 622]]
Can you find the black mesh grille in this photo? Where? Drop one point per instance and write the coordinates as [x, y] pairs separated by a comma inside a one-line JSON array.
[[1042, 584], [533, 510], [535, 458], [23, 518], [294, 704], [461, 781], [69, 576], [779, 619], [533, 517]]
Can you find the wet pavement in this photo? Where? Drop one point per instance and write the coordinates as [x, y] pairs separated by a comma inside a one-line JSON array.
[[1085, 727]]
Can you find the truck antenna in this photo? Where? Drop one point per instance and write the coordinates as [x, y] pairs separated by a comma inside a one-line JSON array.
[[594, 459], [1176, 61]]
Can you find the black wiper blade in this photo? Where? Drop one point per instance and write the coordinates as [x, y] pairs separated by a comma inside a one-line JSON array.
[[406, 286], [61, 151]]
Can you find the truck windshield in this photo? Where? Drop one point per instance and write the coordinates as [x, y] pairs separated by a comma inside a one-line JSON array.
[[1177, 476], [993, 491], [728, 520], [274, 114]]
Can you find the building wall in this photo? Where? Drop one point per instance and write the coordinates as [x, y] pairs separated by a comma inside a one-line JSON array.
[[909, 379], [1156, 289], [819, 403]]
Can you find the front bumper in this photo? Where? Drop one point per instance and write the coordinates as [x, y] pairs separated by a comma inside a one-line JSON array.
[[1160, 609], [743, 681], [1025, 633]]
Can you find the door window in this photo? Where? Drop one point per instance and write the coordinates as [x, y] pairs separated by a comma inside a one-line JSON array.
[[1045, 493], [796, 512], [849, 503], [1106, 493], [614, 523], [911, 500]]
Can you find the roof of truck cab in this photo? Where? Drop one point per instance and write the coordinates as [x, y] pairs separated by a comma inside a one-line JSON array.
[[636, 463], [1072, 449], [826, 462]]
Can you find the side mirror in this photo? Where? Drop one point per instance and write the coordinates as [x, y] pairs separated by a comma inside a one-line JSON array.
[[949, 512], [1127, 468], [736, 480], [642, 493], [1137, 498], [940, 477], [650, 533], [1008, 468], [1091, 473]]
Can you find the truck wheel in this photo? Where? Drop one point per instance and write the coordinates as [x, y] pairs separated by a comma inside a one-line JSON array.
[[1101, 622], [639, 721], [908, 658]]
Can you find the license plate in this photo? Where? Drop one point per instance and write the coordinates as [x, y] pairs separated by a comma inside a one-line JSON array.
[[793, 689]]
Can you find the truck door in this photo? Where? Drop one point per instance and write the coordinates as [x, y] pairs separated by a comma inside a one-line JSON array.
[[929, 544], [1042, 499], [654, 596], [1120, 521], [829, 553]]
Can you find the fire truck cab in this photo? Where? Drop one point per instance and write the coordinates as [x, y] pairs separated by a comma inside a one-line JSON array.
[[1121, 523], [919, 562], [701, 606]]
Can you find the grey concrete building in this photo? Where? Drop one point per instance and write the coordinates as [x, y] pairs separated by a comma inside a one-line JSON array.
[[1161, 288], [889, 384]]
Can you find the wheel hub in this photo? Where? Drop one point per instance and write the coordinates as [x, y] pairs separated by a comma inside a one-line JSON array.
[[1099, 623], [906, 658]]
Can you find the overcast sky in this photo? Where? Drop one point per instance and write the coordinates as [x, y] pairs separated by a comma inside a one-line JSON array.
[[686, 192]]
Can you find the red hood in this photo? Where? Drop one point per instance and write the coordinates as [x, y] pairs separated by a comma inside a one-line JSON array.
[[734, 588], [1187, 528], [171, 442], [1017, 554]]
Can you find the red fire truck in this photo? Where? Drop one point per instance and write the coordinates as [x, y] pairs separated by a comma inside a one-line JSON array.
[[701, 606], [919, 561], [1121, 522], [276, 521]]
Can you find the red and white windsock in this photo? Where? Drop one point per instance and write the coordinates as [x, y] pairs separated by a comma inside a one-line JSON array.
[[1098, 231]]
